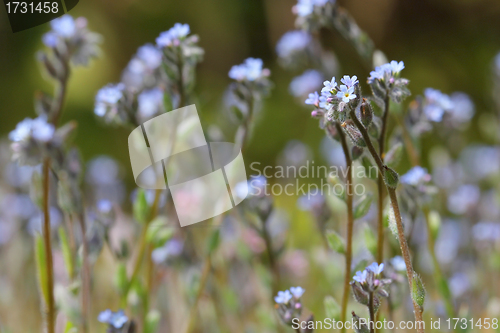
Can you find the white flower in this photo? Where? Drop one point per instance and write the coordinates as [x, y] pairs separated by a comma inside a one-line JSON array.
[[346, 94]]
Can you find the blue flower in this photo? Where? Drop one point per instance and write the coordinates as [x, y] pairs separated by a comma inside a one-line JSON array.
[[251, 70], [346, 94], [329, 86], [107, 97], [415, 176], [173, 36], [306, 83], [283, 297], [463, 108], [397, 67], [150, 55], [38, 128], [398, 263], [50, 39], [64, 26], [291, 42], [360, 276], [313, 99], [436, 104], [115, 319], [375, 268], [150, 103], [297, 292], [348, 81]]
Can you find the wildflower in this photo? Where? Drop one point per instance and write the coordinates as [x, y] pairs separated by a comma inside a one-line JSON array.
[[114, 319], [283, 297], [173, 36], [292, 42], [150, 55], [415, 176], [329, 87], [462, 109], [306, 83], [397, 67], [306, 7], [107, 100], [375, 268], [297, 292], [250, 70], [150, 103], [360, 276], [463, 198], [386, 72], [348, 81], [436, 104], [72, 39], [398, 263], [486, 231], [313, 99], [346, 94]]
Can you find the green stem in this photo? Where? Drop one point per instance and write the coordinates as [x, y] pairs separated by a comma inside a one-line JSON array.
[[380, 184], [50, 306], [350, 223], [405, 251], [371, 309]]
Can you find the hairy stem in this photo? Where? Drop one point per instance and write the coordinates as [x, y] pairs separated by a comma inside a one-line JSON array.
[[50, 306], [371, 309], [203, 282], [350, 224], [142, 246], [85, 276], [405, 251], [380, 184]]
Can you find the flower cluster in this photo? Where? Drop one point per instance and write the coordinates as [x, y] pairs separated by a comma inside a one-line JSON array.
[[157, 78], [34, 139], [369, 283], [72, 40], [115, 320], [385, 82], [458, 106], [288, 304]]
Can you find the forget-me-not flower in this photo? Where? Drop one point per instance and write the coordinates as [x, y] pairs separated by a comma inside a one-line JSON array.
[[173, 36], [375, 268], [283, 297], [346, 94], [329, 86], [360, 276], [415, 176], [349, 81], [115, 319], [297, 292], [291, 42], [313, 99]]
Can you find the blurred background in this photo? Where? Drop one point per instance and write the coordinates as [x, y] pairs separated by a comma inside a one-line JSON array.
[[446, 44]]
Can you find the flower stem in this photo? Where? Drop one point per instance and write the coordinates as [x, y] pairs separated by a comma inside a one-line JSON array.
[[50, 306], [203, 282], [85, 276], [350, 223], [371, 309], [405, 251], [272, 259], [380, 183]]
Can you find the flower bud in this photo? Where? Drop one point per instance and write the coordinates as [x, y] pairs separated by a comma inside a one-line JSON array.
[[366, 112], [391, 177], [418, 291], [359, 294], [354, 134]]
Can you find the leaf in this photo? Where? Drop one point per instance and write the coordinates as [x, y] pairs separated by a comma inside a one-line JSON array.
[[159, 232], [363, 206], [332, 308], [66, 252], [41, 265], [335, 241], [152, 320], [214, 241], [167, 101], [141, 207], [70, 328]]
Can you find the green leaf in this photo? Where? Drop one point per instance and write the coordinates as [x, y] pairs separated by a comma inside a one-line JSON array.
[[159, 232], [141, 207], [418, 290], [370, 241], [70, 328], [363, 206], [152, 320], [121, 279], [335, 241], [214, 241], [66, 252], [41, 265], [332, 308], [167, 101]]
